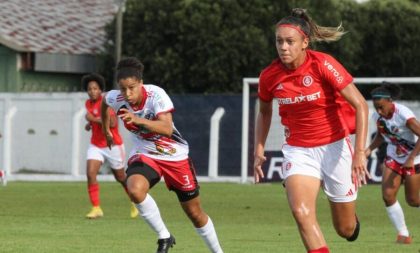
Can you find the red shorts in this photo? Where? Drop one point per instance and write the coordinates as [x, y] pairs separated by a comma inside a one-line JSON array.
[[178, 175], [399, 169]]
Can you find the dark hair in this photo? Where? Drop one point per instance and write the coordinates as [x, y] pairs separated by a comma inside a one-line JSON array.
[[130, 67], [93, 77], [387, 90], [300, 18]]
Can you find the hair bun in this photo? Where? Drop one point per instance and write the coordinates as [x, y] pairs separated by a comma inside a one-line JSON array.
[[298, 12]]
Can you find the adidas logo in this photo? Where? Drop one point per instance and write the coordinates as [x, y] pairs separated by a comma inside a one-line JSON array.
[[279, 86]]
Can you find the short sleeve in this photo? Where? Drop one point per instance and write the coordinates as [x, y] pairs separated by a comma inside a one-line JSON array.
[[263, 92], [111, 98], [406, 113], [162, 102], [334, 73]]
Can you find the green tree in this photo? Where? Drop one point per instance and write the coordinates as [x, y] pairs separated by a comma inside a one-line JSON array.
[[208, 46]]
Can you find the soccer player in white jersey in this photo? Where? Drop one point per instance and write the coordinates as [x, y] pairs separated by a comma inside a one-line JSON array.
[[398, 126], [159, 150]]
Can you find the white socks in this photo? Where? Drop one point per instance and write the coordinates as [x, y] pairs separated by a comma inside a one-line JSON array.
[[150, 213], [208, 233], [396, 215]]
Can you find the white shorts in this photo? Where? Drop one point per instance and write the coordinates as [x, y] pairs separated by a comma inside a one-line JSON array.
[[330, 163], [115, 156]]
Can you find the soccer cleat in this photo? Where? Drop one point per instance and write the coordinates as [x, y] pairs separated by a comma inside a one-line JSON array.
[[95, 212], [165, 244], [355, 234], [133, 211], [404, 239]]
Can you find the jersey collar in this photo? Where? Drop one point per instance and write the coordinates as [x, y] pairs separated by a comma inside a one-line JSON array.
[[143, 100]]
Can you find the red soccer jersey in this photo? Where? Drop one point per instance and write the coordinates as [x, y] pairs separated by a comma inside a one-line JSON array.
[[310, 104], [98, 138]]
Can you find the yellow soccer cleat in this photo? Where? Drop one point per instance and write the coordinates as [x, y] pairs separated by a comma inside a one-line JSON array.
[[133, 211], [95, 212]]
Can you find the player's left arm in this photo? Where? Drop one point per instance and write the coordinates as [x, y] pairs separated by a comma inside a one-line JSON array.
[[414, 126], [356, 99], [106, 128], [162, 124], [89, 117], [113, 120]]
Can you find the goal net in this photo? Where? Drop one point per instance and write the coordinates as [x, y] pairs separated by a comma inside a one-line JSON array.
[[275, 138]]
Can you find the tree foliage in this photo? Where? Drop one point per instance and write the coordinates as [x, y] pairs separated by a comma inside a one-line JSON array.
[[208, 46]]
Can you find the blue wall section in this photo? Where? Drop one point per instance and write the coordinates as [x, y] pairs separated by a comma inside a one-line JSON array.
[[192, 118]]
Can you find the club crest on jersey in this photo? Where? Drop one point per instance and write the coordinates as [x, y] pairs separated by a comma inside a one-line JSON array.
[[288, 166], [307, 81]]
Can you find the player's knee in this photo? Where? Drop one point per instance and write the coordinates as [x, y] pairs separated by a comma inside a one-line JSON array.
[[389, 199], [301, 215], [345, 230], [197, 216], [137, 192], [413, 201]]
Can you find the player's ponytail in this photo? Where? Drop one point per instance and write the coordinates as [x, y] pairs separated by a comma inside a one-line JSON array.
[[314, 32], [387, 90], [130, 67]]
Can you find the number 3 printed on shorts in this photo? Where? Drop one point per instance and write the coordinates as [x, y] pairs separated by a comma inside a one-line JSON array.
[[187, 179]]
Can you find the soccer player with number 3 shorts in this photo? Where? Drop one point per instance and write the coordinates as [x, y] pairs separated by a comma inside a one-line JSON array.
[[159, 150]]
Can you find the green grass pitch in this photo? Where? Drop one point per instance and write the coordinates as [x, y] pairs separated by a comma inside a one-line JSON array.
[[49, 218]]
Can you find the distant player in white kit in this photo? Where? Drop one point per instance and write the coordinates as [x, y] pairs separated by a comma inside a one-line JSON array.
[[399, 128], [159, 150]]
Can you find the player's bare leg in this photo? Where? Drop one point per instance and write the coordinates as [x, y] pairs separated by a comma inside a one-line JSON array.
[[391, 183], [202, 223], [345, 220], [302, 192], [120, 176]]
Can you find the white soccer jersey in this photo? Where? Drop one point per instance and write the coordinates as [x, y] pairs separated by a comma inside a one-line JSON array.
[[155, 101], [401, 140]]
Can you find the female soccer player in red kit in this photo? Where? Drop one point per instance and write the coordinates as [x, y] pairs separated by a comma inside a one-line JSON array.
[[159, 150], [310, 88], [98, 151], [399, 128]]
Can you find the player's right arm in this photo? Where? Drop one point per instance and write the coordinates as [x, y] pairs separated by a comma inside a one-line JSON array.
[[262, 128], [106, 123]]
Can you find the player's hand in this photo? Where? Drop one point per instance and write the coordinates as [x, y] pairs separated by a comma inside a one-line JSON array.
[[409, 163], [258, 173], [360, 174], [109, 139], [88, 127], [127, 116]]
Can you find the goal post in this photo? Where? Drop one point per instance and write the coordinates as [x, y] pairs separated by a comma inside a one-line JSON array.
[[249, 83]]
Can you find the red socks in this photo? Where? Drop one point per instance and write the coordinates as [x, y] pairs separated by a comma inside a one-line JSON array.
[[93, 190], [320, 250]]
